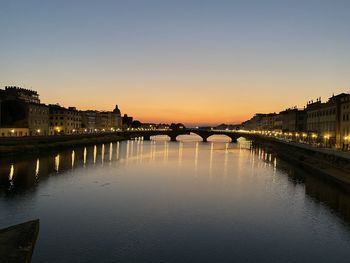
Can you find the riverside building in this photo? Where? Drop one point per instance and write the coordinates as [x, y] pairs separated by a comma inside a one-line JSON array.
[[22, 114], [101, 121], [324, 120], [293, 120], [64, 120], [345, 123], [109, 120], [88, 120]]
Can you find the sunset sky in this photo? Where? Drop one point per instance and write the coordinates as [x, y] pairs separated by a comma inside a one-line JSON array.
[[197, 62]]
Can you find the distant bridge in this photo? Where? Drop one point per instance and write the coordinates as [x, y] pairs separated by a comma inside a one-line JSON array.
[[173, 134]]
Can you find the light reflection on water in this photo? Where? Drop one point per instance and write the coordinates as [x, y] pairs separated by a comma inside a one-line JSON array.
[[188, 201]]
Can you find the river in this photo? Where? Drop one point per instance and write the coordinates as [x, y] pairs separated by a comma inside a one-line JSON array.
[[161, 201]]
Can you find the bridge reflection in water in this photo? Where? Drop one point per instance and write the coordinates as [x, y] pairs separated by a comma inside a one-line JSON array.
[[21, 174]]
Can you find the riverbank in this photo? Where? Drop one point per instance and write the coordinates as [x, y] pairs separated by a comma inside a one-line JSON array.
[[27, 145], [329, 164]]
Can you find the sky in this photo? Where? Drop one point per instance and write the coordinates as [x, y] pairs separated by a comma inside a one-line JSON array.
[[197, 62]]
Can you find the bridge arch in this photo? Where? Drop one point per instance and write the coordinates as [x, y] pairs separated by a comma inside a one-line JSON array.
[[242, 138], [160, 137], [173, 134], [206, 134], [219, 138], [192, 137]]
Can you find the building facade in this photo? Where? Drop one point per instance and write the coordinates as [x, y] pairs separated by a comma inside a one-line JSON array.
[[345, 123], [14, 132], [324, 120], [88, 120], [109, 120], [21, 109], [17, 93], [293, 120], [64, 120]]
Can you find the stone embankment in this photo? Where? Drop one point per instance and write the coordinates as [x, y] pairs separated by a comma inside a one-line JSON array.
[[327, 163], [24, 145]]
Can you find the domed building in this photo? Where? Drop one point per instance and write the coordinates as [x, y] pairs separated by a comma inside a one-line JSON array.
[[117, 110]]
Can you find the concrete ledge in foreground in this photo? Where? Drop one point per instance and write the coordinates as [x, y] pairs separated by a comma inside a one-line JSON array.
[[17, 242]]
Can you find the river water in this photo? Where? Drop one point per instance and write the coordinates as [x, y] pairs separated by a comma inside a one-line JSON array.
[[187, 201]]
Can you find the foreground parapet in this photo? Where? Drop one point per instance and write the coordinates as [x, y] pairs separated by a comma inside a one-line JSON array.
[[17, 242]]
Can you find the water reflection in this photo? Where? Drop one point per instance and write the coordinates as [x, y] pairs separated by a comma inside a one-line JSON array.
[[95, 153], [216, 191], [37, 168], [73, 158], [180, 152], [117, 151], [211, 158], [102, 153], [110, 151], [57, 163], [12, 170], [196, 158], [85, 154], [20, 174]]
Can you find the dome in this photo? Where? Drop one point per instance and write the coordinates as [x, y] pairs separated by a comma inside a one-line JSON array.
[[116, 110]]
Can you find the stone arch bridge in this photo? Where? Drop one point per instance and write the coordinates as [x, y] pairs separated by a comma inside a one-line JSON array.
[[204, 134]]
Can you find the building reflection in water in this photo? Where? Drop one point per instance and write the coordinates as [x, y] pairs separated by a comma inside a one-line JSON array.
[[131, 148], [180, 152], [320, 190], [226, 160], [211, 159], [95, 153], [117, 151], [57, 163], [127, 150], [102, 153], [85, 155], [110, 151], [12, 171], [196, 158], [73, 158], [37, 168], [22, 173]]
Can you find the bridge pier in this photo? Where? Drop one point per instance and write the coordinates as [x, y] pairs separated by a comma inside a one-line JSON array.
[[205, 139], [173, 138], [233, 139], [146, 137]]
